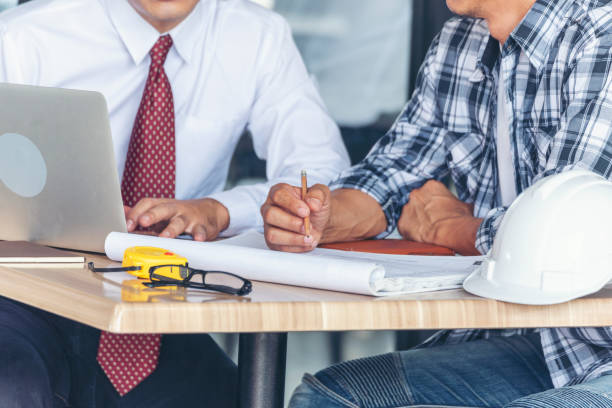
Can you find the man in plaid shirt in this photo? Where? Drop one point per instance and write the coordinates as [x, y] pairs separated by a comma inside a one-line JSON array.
[[514, 91]]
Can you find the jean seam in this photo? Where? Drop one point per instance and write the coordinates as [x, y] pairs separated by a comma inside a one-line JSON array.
[[402, 369], [323, 389]]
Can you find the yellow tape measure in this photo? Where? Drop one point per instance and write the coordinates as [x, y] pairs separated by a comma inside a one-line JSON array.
[[146, 257]]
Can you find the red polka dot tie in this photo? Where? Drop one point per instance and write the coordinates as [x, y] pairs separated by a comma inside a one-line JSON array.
[[127, 359], [149, 171], [150, 164]]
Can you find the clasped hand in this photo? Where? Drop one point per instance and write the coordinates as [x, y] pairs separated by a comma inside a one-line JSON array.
[[434, 215], [203, 218]]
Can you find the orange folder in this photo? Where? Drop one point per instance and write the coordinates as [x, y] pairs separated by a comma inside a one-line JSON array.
[[390, 246]]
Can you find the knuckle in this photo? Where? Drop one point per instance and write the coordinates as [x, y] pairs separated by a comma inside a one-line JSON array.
[[271, 236], [322, 188], [277, 195], [279, 189], [151, 214]]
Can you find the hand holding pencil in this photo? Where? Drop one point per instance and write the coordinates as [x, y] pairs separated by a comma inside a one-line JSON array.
[[295, 217]]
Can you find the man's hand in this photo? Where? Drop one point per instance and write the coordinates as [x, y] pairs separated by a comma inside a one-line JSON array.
[[284, 212], [203, 218], [435, 216]]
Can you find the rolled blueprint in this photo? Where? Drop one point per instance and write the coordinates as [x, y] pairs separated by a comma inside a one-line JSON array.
[[259, 264], [368, 274]]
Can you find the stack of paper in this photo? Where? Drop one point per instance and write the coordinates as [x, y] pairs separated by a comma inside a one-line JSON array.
[[354, 272]]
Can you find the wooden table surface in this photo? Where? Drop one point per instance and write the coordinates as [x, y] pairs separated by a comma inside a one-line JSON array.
[[100, 300]]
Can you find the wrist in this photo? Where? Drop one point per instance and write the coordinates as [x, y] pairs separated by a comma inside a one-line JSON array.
[[211, 208], [223, 216], [354, 215], [460, 234]]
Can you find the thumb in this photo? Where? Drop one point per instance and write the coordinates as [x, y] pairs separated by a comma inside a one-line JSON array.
[[318, 197]]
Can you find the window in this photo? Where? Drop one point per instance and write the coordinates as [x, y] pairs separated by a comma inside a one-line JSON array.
[[358, 53], [5, 4]]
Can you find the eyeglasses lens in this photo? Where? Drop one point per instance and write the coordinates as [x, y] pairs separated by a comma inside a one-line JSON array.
[[223, 279]]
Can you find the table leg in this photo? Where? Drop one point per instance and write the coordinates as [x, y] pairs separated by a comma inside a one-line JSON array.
[[261, 369]]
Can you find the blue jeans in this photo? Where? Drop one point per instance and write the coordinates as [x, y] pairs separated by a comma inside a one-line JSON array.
[[499, 372], [50, 362]]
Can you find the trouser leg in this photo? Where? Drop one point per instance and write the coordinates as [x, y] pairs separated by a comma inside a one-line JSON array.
[[483, 373], [33, 366], [592, 394], [47, 361], [192, 371]]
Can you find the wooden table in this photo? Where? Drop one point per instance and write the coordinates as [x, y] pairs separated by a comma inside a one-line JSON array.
[[264, 317]]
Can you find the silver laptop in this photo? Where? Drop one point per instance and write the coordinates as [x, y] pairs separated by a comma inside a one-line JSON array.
[[58, 178]]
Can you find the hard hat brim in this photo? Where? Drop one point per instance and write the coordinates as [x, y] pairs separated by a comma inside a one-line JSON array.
[[476, 284]]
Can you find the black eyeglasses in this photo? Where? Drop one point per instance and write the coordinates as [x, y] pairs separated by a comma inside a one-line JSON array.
[[224, 282], [182, 275]]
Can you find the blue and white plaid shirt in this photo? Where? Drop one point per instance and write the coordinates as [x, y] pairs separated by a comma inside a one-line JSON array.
[[557, 68]]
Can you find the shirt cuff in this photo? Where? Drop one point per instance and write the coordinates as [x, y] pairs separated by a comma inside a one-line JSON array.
[[243, 212], [488, 229]]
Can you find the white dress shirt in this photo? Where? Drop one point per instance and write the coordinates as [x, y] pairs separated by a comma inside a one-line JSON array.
[[233, 66]]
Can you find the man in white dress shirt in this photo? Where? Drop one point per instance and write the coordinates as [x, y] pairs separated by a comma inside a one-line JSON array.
[[233, 66], [203, 71]]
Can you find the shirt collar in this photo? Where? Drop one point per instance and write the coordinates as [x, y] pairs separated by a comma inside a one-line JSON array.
[[534, 35], [538, 30], [139, 36]]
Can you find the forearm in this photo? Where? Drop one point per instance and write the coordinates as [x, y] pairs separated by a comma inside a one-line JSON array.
[[355, 215]]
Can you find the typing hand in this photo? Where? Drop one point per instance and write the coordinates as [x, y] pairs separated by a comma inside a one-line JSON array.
[[435, 216], [203, 219], [284, 212]]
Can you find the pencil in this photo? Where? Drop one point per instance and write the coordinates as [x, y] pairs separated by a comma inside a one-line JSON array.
[[304, 191]]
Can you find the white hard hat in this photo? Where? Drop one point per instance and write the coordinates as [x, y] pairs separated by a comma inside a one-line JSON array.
[[554, 243]]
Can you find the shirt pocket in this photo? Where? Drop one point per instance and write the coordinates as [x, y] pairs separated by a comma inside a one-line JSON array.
[[537, 143], [204, 150], [465, 153], [463, 149]]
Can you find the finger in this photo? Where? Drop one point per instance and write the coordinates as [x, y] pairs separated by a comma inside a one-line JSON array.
[[277, 217], [278, 237], [199, 233], [160, 212], [317, 197], [288, 198], [141, 207], [126, 210], [175, 227]]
